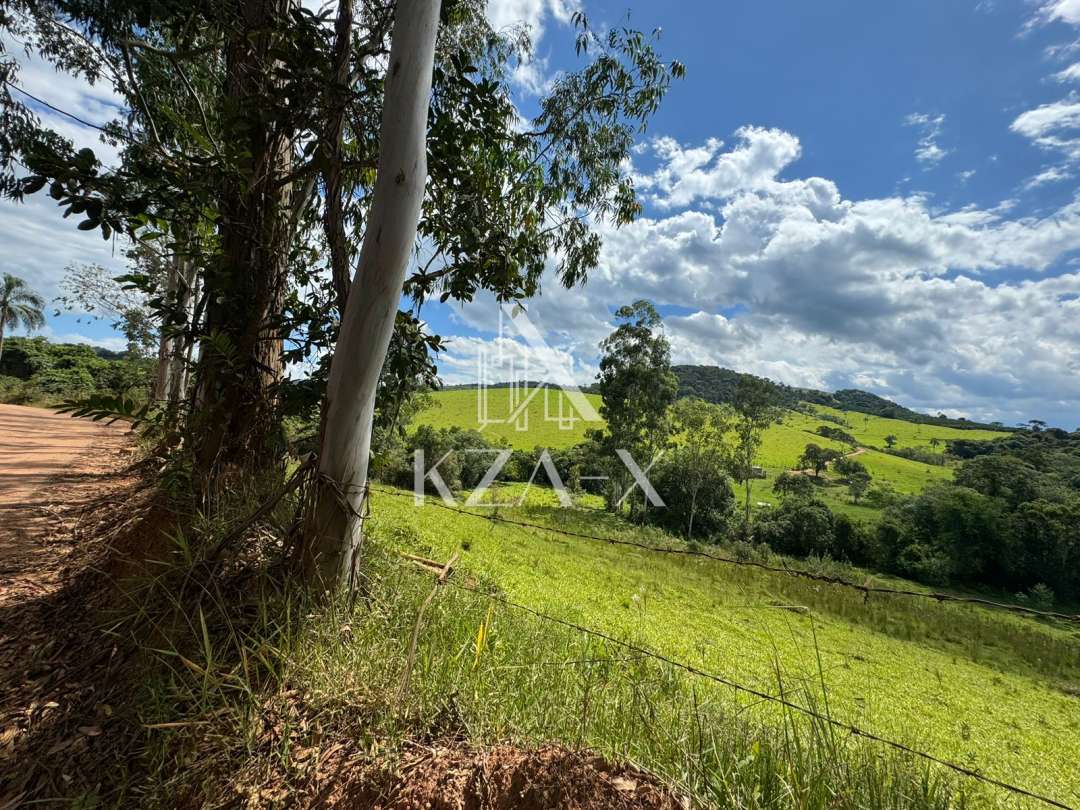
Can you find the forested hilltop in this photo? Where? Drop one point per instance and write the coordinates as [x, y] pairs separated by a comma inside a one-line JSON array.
[[34, 371], [718, 385]]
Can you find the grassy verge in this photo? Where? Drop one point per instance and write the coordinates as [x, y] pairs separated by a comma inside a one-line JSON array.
[[245, 688], [255, 689], [962, 683]]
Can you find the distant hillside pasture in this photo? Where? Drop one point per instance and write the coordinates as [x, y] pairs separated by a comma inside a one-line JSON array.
[[872, 430], [982, 688], [781, 448], [537, 424]]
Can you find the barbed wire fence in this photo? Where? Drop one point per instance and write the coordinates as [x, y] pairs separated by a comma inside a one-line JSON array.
[[866, 590], [444, 577]]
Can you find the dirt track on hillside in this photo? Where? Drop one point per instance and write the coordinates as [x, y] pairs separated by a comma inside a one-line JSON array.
[[50, 464]]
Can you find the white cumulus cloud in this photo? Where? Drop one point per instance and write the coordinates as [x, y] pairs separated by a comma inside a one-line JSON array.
[[969, 311], [928, 152], [687, 174]]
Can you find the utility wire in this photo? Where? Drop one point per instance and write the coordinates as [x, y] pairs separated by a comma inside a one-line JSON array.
[[867, 590], [72, 116]]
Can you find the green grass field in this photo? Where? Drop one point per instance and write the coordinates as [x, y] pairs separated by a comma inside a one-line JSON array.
[[537, 425], [782, 445], [984, 689], [872, 430]]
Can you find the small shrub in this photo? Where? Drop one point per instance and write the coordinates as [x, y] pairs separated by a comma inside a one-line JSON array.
[[1041, 596]]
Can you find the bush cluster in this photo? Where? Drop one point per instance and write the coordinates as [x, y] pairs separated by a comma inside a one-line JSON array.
[[36, 372], [1007, 521]]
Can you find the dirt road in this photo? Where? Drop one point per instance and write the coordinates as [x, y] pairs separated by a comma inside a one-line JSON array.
[[49, 463]]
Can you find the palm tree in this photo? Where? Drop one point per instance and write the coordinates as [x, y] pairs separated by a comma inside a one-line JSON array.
[[19, 305]]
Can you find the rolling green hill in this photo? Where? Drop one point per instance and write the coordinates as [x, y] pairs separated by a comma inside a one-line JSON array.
[[461, 408], [715, 384], [781, 448], [986, 689]]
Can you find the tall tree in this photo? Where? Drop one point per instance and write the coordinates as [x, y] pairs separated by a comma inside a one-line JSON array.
[[792, 485], [755, 407], [500, 202], [99, 293], [334, 524], [637, 387], [237, 129], [19, 306], [702, 448], [815, 457], [240, 366]]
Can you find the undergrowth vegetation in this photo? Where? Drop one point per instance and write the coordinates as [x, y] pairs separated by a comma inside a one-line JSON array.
[[249, 687], [959, 681], [249, 695], [36, 372]]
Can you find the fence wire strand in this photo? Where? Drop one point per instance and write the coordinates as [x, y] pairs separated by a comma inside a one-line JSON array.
[[867, 590], [766, 697]]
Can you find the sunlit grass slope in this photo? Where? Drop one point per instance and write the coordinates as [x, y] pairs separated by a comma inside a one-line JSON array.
[[872, 430], [988, 690], [536, 423]]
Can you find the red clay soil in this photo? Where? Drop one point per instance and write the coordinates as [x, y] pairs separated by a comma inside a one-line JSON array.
[[53, 469], [50, 465], [459, 777], [64, 514]]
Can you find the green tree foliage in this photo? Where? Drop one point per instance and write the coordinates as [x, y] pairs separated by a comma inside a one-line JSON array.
[[92, 290], [34, 371], [248, 158], [817, 458], [698, 500], [19, 306], [837, 434], [923, 455], [1009, 521], [718, 385], [853, 473], [799, 526], [793, 485], [692, 478], [463, 456], [755, 404], [858, 485], [637, 388], [1000, 476]]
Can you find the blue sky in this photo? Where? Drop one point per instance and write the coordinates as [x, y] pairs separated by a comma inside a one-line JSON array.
[[839, 194], [938, 142]]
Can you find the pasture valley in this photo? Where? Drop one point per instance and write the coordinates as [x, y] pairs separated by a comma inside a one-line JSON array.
[[959, 682], [539, 405]]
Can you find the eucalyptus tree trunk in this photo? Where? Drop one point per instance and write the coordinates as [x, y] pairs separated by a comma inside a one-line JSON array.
[[241, 361], [174, 347], [333, 530], [332, 147]]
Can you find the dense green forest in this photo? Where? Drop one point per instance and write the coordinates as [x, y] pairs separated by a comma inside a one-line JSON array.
[[714, 384], [35, 371]]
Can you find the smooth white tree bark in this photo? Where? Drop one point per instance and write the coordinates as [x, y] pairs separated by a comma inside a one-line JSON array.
[[174, 351], [333, 530]]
